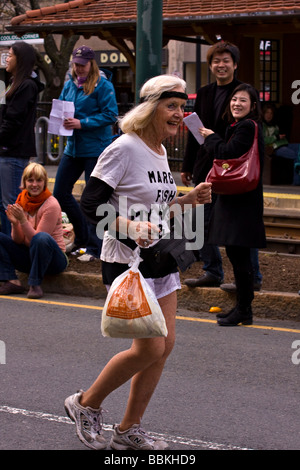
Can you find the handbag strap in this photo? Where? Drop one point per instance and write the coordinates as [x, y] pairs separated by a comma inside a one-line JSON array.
[[256, 128], [256, 132]]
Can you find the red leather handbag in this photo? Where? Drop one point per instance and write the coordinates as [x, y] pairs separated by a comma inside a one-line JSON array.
[[236, 175]]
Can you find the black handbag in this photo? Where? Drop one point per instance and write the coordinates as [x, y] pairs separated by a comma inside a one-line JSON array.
[[169, 253]]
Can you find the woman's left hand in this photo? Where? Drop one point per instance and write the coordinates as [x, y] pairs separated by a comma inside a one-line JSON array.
[[201, 194], [72, 123]]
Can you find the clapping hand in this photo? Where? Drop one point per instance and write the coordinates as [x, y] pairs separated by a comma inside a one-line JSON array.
[[15, 214]]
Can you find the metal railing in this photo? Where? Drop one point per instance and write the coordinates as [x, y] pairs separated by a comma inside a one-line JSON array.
[[175, 147], [49, 147]]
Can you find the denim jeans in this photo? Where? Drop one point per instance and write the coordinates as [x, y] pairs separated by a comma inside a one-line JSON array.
[[11, 170], [68, 172], [290, 151], [43, 256], [210, 254]]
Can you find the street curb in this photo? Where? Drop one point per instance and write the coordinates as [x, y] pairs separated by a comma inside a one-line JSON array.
[[266, 304]]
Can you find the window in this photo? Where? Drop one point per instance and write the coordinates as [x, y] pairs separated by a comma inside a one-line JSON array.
[[269, 70]]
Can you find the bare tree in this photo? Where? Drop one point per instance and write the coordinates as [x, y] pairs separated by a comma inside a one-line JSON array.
[[59, 54]]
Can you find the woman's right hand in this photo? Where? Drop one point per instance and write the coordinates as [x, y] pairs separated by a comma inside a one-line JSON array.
[[143, 233], [205, 132], [11, 217]]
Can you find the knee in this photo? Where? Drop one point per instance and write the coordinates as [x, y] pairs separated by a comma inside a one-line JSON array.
[[169, 345], [157, 350], [160, 348], [148, 350], [41, 239]]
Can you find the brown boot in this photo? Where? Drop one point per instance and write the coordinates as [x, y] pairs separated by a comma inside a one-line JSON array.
[[11, 288], [35, 292]]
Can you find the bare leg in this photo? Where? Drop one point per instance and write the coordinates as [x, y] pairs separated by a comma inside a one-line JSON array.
[[143, 362], [144, 382]]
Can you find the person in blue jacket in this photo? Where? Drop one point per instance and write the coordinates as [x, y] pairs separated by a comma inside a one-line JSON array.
[[96, 111]]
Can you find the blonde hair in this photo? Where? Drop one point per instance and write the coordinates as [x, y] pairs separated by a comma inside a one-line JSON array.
[[139, 117], [92, 78], [36, 170]]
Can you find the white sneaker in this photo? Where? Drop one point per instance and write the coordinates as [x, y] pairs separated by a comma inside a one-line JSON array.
[[135, 438], [88, 422]]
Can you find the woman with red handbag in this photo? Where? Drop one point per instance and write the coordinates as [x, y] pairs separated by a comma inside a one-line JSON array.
[[237, 219]]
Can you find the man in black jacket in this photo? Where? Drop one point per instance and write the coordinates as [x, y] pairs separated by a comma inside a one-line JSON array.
[[211, 101]]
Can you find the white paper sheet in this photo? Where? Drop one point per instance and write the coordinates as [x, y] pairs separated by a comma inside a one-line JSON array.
[[59, 112], [193, 122]]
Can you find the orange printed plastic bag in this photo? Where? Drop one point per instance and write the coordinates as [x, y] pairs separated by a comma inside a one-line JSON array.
[[131, 309]]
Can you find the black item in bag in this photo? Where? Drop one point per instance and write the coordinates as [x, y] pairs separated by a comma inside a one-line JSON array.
[[166, 255]]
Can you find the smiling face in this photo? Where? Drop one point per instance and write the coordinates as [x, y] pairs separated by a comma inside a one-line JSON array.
[[223, 67], [35, 185], [240, 105], [168, 116]]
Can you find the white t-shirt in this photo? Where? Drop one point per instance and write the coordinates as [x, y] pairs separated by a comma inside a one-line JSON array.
[[141, 179]]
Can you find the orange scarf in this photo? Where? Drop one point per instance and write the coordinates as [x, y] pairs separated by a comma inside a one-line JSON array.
[[32, 204]]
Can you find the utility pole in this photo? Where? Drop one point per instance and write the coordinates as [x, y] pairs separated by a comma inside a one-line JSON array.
[[148, 41]]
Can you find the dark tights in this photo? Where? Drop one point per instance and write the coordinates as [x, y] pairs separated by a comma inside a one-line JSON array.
[[240, 259]]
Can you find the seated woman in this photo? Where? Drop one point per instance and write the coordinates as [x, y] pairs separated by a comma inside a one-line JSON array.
[[37, 246], [276, 143]]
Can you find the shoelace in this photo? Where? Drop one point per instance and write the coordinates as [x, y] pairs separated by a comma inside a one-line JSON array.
[[96, 420], [140, 430]]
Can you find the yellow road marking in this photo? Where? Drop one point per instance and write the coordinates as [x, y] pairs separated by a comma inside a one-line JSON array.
[[51, 302], [282, 195], [259, 327], [178, 317]]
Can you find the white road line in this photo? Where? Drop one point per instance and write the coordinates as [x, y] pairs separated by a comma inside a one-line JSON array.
[[107, 427]]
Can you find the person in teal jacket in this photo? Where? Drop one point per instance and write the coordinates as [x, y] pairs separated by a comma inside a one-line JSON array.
[[96, 111]]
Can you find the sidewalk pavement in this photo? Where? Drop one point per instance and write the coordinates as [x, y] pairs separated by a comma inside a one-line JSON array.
[[275, 305]]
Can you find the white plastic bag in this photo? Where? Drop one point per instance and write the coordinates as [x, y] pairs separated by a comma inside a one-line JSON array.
[[131, 309]]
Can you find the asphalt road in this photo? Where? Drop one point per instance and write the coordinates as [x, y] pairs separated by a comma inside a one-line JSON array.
[[222, 388]]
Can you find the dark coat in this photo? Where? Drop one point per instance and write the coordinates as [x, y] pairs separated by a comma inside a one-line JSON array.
[[196, 160], [17, 120], [237, 219]]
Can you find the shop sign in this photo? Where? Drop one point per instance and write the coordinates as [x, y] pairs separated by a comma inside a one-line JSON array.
[[116, 58], [110, 58], [30, 38]]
